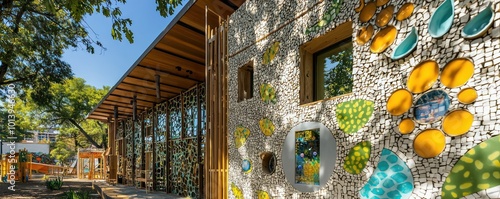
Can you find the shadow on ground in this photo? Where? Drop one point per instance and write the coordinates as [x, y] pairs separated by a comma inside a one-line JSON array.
[[35, 188]]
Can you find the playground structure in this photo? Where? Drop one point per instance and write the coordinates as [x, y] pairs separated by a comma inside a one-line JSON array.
[[24, 166], [90, 163], [15, 166]]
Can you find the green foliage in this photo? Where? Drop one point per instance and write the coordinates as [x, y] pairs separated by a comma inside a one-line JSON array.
[[76, 195], [54, 184], [19, 131], [34, 35], [70, 103], [23, 156], [338, 81]]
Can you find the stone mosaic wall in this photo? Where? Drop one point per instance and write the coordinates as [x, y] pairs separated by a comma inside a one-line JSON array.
[[256, 27]]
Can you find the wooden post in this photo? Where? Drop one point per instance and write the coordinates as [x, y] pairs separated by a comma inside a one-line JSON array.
[[112, 153]]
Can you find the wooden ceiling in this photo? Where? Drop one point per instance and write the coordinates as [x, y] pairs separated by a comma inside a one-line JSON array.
[[175, 61]]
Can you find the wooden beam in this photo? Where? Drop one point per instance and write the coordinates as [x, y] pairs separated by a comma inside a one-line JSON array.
[[138, 92], [118, 102], [158, 93], [168, 73], [146, 87], [163, 84], [179, 56], [201, 32], [134, 107]]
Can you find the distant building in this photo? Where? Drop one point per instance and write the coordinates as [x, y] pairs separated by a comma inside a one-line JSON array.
[[31, 147], [47, 136]]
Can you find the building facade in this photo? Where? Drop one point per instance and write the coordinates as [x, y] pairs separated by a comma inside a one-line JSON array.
[[313, 99], [409, 127]]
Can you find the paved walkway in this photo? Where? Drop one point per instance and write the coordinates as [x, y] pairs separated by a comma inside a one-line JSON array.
[[121, 192]]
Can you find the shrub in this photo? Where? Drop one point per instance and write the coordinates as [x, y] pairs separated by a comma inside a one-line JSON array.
[[76, 195], [54, 184]]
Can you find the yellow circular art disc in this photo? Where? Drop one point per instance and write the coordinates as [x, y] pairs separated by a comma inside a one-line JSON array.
[[457, 72], [383, 39], [367, 12], [429, 143], [423, 76], [364, 34], [384, 16], [381, 2], [405, 11], [406, 126], [457, 122], [467, 96], [399, 102]]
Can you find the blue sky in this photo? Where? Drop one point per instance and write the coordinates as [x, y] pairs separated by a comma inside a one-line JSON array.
[[106, 67]]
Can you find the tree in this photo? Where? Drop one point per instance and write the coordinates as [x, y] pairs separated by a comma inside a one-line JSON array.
[[71, 101], [338, 80], [19, 131], [34, 33]]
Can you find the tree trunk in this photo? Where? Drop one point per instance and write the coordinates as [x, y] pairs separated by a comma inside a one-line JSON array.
[[92, 141]]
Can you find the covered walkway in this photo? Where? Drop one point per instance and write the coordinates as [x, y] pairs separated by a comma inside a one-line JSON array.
[[122, 191]]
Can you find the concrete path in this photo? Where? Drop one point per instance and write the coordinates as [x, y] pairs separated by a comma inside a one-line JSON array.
[[119, 191]]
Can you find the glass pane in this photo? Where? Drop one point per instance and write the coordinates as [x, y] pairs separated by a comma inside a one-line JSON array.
[[333, 70]]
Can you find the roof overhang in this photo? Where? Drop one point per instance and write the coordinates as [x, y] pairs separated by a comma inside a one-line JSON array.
[[173, 63]]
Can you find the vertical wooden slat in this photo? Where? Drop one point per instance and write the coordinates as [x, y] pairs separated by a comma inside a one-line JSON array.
[[216, 162], [224, 106]]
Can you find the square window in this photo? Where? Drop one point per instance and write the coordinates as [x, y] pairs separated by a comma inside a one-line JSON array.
[[326, 65], [245, 82]]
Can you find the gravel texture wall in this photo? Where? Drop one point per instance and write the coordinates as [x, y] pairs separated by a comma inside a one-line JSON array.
[[257, 24]]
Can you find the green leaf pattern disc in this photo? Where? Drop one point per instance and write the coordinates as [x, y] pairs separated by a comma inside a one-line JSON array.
[[358, 156], [353, 115], [476, 170]]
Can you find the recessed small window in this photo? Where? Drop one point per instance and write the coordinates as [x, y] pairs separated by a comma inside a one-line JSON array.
[[245, 82], [326, 65], [333, 70]]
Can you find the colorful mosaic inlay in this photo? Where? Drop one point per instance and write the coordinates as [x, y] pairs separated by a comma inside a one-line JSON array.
[[185, 154], [184, 167], [237, 193], [160, 146], [267, 93], [266, 126], [246, 166], [353, 115], [263, 195], [270, 53], [331, 13], [391, 179], [240, 136], [476, 170], [357, 158], [433, 105]]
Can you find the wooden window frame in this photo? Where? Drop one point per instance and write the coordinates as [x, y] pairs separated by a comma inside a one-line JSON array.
[[307, 51], [245, 81]]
